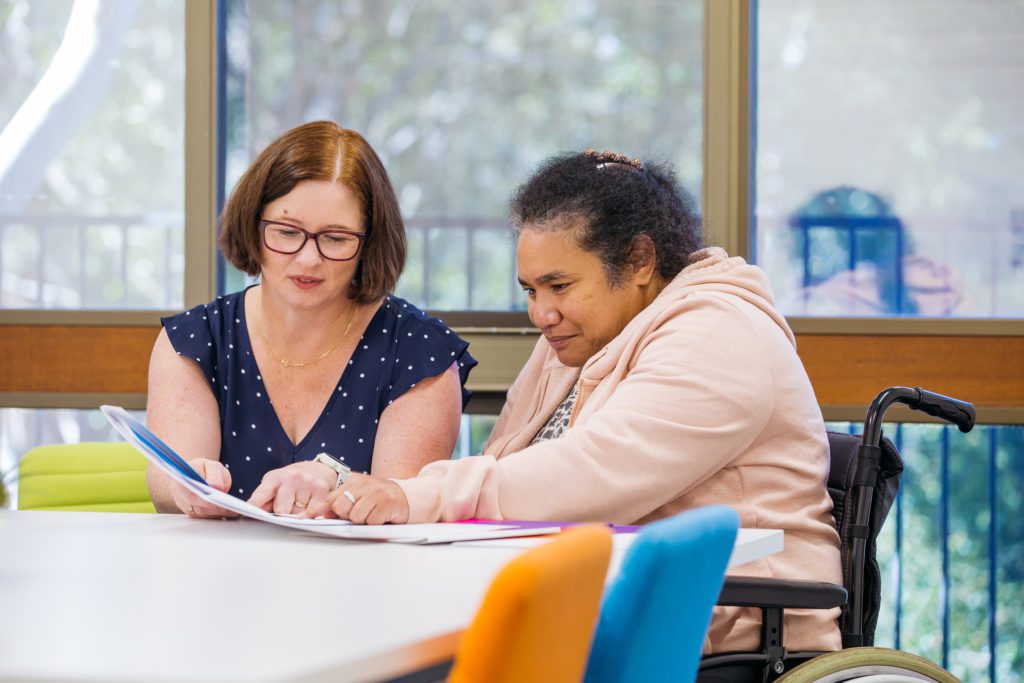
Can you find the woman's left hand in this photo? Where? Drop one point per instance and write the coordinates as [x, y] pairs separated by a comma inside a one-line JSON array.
[[364, 499]]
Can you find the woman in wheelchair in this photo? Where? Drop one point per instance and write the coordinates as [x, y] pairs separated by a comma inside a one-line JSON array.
[[664, 380]]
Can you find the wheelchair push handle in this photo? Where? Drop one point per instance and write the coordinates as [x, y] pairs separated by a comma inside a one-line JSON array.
[[960, 413], [949, 409]]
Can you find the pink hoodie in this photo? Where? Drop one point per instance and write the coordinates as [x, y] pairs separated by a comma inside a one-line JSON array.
[[701, 399]]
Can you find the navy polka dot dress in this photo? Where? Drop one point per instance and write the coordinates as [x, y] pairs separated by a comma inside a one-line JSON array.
[[400, 347]]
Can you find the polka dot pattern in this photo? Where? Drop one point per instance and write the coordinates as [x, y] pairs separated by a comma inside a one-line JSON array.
[[397, 351]]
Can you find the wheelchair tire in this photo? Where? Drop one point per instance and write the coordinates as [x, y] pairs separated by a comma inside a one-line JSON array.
[[869, 663]]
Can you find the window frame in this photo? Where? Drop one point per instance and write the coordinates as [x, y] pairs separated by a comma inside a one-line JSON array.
[[46, 349]]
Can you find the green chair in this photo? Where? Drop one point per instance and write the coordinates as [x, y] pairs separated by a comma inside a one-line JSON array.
[[98, 477]]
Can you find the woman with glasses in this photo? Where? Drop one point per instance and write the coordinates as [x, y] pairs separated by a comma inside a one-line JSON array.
[[275, 393]]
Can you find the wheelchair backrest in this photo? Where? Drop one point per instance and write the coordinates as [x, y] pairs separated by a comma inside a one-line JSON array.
[[843, 450]]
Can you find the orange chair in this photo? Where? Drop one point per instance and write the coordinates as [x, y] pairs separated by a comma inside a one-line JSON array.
[[537, 620]]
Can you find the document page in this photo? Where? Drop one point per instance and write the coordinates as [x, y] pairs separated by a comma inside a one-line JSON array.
[[176, 467]]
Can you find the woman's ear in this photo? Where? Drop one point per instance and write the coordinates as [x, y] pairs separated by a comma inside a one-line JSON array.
[[642, 259]]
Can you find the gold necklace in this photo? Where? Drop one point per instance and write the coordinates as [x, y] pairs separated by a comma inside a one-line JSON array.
[[297, 364]]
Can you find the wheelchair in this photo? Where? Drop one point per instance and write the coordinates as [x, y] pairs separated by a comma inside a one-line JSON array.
[[862, 482]]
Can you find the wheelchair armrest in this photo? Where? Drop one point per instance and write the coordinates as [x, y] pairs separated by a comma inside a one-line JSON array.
[[748, 591]]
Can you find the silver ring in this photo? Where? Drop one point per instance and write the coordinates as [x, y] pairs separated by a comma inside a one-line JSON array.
[[348, 494], [301, 506]]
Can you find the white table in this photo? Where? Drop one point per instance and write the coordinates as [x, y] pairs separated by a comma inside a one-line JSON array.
[[134, 597]]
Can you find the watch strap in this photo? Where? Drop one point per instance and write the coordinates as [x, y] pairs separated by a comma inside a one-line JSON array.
[[335, 464]]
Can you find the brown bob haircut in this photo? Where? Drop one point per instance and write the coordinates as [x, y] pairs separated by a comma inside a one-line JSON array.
[[320, 150]]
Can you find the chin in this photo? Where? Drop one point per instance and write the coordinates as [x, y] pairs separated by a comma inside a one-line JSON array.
[[571, 360]]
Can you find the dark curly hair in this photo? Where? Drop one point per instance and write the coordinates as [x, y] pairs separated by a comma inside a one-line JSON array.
[[618, 201]]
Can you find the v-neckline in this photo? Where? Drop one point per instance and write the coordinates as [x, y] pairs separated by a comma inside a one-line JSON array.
[[296, 447]]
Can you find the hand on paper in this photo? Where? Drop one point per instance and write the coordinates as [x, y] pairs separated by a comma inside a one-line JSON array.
[[365, 500], [291, 490], [217, 476]]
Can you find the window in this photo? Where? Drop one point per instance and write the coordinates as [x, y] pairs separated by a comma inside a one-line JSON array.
[[91, 167], [888, 157], [885, 184], [462, 100], [952, 549], [91, 175]]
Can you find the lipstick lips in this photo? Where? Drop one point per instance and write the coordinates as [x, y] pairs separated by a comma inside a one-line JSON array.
[[305, 282]]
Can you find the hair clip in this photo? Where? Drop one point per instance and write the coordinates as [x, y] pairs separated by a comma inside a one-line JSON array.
[[609, 157]]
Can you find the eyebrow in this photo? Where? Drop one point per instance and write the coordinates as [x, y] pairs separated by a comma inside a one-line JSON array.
[[298, 223], [547, 277]]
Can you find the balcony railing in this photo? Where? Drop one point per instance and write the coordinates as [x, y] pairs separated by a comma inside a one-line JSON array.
[[66, 261], [953, 550]]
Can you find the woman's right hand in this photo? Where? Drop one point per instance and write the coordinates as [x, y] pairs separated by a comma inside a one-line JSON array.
[[292, 488], [218, 477]]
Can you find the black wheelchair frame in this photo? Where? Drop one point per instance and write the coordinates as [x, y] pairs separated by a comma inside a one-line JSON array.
[[862, 483]]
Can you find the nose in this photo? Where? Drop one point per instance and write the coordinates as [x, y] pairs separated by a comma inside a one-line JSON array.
[[544, 312], [309, 253]]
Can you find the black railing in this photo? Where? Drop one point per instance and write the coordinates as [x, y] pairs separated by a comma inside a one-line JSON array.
[[937, 608]]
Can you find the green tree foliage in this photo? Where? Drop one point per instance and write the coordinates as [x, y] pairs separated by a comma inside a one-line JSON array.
[[103, 228], [933, 455], [463, 99]]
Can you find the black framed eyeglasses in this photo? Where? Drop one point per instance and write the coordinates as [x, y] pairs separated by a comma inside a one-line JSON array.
[[333, 245]]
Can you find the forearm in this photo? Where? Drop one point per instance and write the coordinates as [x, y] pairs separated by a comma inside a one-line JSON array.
[[160, 490], [183, 412], [668, 426], [451, 490]]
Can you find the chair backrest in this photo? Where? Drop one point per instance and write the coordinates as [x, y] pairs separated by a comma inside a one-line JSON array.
[[537, 619], [104, 477], [844, 452], [657, 611]]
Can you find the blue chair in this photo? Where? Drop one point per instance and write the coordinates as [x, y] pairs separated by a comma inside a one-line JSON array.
[[657, 611]]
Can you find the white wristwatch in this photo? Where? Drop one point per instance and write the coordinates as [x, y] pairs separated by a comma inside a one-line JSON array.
[[338, 466]]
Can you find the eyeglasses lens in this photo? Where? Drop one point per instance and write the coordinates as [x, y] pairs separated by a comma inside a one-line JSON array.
[[339, 246]]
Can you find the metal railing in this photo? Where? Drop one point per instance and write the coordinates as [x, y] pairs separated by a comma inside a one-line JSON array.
[[50, 261], [463, 263], [945, 556]]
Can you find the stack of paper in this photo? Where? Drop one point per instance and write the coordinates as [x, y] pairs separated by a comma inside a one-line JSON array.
[[161, 455]]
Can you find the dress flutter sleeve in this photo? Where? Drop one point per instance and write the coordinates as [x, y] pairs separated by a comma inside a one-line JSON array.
[[191, 336], [426, 347]]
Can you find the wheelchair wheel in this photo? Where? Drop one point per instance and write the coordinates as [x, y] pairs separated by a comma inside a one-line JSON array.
[[868, 665]]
